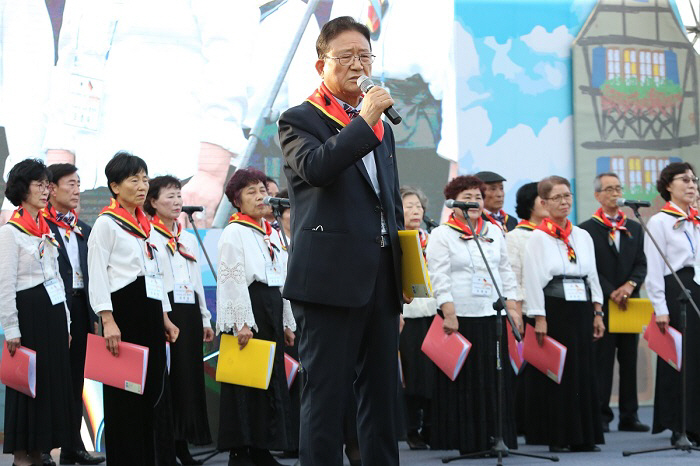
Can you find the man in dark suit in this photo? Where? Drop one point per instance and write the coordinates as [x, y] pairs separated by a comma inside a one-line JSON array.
[[344, 276], [72, 236], [622, 266], [494, 195]]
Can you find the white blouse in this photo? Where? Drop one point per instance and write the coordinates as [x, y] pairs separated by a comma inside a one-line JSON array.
[[516, 240], [177, 269], [243, 256], [453, 263], [23, 268], [115, 259], [547, 257], [680, 247]]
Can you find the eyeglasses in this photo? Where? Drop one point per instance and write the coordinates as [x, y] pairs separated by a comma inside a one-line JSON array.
[[345, 60], [42, 185], [687, 179], [560, 197], [613, 189]]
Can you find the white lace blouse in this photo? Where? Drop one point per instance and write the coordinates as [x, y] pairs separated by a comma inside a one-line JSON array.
[[243, 256]]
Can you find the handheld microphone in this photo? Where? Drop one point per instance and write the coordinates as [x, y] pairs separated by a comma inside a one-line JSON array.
[[190, 209], [621, 202], [365, 84], [277, 202], [452, 204], [430, 222]]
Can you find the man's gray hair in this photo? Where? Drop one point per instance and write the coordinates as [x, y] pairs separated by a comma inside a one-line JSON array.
[[598, 183], [410, 190]]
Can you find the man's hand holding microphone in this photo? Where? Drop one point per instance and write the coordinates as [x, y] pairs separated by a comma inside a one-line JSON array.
[[376, 101]]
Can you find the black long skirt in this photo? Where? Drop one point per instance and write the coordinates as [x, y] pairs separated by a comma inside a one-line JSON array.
[[138, 428], [250, 417], [565, 414], [190, 420], [465, 411], [418, 369], [44, 422], [667, 399]]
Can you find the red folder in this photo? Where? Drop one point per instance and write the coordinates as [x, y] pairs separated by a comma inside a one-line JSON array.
[[291, 368], [19, 371], [126, 371], [666, 345], [448, 352], [548, 358], [515, 350]]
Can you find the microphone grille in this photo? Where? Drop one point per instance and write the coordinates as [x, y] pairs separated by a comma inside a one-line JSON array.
[[620, 202], [266, 200], [449, 203], [364, 83]]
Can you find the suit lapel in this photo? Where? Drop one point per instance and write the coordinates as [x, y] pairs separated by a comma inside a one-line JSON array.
[[61, 241]]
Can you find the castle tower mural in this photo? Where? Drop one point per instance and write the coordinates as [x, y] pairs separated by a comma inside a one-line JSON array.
[[635, 97]]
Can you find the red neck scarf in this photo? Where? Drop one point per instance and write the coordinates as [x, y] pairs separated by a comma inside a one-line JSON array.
[[673, 211], [174, 243], [500, 225], [265, 229], [555, 231], [526, 225], [26, 224], [467, 234], [49, 212], [139, 227], [323, 100], [600, 217]]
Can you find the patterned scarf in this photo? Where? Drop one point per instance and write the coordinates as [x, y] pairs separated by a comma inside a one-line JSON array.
[[467, 234], [68, 222], [673, 211], [139, 227], [499, 219], [558, 232], [26, 224], [526, 225], [620, 220], [323, 100], [174, 243], [265, 229]]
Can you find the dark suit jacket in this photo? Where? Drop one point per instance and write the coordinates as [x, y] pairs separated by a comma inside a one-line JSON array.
[[511, 222], [335, 218], [66, 270], [615, 268]]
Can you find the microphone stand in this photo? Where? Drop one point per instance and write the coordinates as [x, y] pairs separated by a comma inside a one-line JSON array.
[[199, 239], [499, 449], [682, 443]]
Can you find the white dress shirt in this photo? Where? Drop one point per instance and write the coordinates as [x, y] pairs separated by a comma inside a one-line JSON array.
[[115, 259], [680, 247], [516, 240], [71, 245], [547, 257], [177, 269], [453, 262], [243, 256], [23, 268]]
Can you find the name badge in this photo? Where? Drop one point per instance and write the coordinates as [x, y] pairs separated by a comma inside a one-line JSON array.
[[273, 272], [481, 285], [183, 293], [78, 281], [574, 289], [55, 291], [154, 287]]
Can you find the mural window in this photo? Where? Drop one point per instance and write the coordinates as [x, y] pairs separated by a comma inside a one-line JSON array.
[[613, 63], [634, 173], [630, 62], [658, 66], [617, 166], [645, 65]]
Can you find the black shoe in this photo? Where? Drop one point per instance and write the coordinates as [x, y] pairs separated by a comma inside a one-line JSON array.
[[634, 426], [415, 441], [559, 449], [80, 457], [580, 448], [262, 457], [606, 427], [239, 457], [46, 460]]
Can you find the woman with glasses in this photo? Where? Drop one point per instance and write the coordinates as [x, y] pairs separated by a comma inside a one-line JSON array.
[[418, 370], [677, 231], [34, 315], [564, 299], [463, 410]]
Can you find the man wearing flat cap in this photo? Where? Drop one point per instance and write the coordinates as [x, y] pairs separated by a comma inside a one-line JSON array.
[[493, 201]]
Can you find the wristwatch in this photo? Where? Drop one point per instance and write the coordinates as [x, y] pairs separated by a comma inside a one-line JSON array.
[[598, 313], [633, 283]]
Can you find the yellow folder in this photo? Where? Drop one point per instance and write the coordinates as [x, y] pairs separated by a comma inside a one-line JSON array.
[[414, 271], [632, 320], [251, 366]]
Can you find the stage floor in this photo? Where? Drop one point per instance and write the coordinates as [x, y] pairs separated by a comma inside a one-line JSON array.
[[611, 453]]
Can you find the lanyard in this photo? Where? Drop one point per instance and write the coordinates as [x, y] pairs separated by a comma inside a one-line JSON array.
[[143, 256], [692, 246], [255, 237]]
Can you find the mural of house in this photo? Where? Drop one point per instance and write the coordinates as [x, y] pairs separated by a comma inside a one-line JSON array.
[[635, 96]]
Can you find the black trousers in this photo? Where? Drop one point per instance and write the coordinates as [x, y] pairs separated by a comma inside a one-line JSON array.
[[338, 346], [79, 329], [604, 352]]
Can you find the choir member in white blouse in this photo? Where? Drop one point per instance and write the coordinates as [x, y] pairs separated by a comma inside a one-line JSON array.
[[463, 410], [34, 315], [677, 231], [252, 270], [418, 370], [565, 299], [182, 278], [126, 290]]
